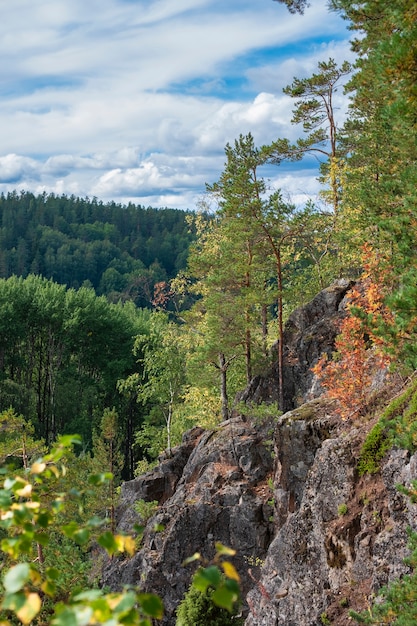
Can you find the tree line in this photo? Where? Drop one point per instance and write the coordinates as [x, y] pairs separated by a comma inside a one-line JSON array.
[[119, 251]]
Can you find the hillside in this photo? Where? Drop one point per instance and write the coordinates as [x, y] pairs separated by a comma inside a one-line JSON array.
[[120, 251]]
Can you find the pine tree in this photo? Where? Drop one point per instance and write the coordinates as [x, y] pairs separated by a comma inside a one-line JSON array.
[[108, 457]]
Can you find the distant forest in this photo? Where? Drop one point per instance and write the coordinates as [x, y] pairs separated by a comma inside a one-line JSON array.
[[120, 251]]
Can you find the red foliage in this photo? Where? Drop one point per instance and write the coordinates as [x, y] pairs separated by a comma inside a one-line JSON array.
[[162, 294], [349, 377]]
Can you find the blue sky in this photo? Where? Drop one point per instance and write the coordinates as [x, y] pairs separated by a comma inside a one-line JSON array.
[[135, 100]]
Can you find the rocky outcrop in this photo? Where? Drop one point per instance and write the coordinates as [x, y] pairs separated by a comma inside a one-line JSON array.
[[339, 537], [214, 488], [313, 537], [308, 334]]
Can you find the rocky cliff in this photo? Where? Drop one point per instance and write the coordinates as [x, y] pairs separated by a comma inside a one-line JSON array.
[[313, 538]]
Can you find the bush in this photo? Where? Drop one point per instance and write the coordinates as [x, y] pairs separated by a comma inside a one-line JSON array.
[[197, 609], [145, 509], [374, 448]]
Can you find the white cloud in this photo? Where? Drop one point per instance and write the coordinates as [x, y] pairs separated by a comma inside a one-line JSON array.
[[13, 167], [136, 100]]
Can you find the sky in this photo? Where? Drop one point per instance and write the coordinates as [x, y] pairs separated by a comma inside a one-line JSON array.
[[135, 100]]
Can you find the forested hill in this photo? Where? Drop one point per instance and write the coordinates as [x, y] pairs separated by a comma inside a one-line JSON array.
[[121, 251]]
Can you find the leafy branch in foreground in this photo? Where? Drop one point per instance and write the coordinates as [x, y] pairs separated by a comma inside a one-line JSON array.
[[226, 585], [34, 507], [31, 504]]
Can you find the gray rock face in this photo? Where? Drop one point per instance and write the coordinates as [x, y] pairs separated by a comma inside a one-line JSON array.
[[214, 488], [339, 537], [309, 333]]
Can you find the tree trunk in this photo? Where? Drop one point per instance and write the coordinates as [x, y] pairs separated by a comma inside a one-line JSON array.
[[169, 418], [223, 386], [280, 338], [248, 355], [265, 330]]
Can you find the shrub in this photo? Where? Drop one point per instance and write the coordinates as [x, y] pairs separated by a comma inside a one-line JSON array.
[[376, 444], [197, 609], [342, 509], [145, 509], [360, 352]]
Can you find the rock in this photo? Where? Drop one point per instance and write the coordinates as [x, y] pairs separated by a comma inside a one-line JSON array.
[[308, 334], [218, 493], [319, 554], [158, 485], [313, 538]]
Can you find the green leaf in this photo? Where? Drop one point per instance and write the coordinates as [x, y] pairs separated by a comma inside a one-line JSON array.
[[72, 616], [95, 522], [52, 573], [224, 598], [70, 529], [206, 577], [122, 602], [138, 528], [13, 601], [49, 587], [44, 519], [41, 538], [15, 484], [67, 441], [81, 536], [100, 479], [5, 499], [108, 542], [151, 605], [88, 596], [16, 577], [232, 585]]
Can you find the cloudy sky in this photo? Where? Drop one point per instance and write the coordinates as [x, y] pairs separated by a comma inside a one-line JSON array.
[[134, 100]]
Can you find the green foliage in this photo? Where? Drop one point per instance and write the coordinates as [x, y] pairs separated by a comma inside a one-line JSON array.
[[161, 356], [218, 575], [374, 448], [295, 6], [380, 186], [145, 509], [260, 413], [107, 457], [342, 509], [397, 425], [324, 619], [397, 603], [242, 267], [404, 427], [62, 353], [198, 609], [120, 251], [17, 443], [37, 590]]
